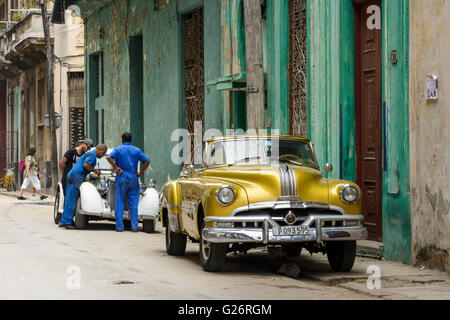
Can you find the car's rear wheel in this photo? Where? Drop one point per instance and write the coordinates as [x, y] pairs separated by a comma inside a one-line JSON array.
[[175, 242], [81, 221], [56, 214], [212, 255], [148, 226], [341, 255]]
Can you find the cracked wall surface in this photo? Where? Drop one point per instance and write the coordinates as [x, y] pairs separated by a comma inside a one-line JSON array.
[[430, 133]]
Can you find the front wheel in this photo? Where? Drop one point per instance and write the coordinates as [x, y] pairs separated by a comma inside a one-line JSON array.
[[81, 221], [148, 226], [212, 255], [56, 214], [341, 255], [175, 242]]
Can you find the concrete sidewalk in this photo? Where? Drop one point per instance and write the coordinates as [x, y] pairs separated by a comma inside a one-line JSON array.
[[30, 199], [397, 281]]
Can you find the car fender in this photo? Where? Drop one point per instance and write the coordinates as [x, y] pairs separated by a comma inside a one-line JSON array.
[[149, 204], [170, 205], [91, 201]]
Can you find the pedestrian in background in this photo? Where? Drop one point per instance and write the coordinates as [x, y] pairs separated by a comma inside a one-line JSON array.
[[75, 178], [33, 189], [31, 175], [126, 159]]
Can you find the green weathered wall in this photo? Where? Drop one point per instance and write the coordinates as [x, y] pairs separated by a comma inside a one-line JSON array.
[[331, 116], [331, 99], [277, 64], [163, 73], [396, 171]]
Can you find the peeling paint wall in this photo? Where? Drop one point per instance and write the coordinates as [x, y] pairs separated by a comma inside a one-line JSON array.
[[331, 107], [164, 101], [430, 133]]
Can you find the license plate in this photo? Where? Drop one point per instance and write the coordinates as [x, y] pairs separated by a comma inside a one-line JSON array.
[[291, 231]]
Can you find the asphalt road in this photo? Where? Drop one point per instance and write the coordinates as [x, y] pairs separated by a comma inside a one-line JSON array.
[[41, 261]]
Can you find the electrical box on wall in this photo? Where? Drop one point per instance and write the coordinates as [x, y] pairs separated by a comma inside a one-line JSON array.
[[432, 87]]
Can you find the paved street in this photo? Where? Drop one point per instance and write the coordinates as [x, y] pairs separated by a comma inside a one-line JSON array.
[[36, 254]]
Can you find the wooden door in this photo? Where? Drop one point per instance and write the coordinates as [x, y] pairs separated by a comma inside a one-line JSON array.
[[368, 112]]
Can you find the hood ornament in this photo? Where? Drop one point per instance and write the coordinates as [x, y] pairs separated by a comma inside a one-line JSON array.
[[290, 218]]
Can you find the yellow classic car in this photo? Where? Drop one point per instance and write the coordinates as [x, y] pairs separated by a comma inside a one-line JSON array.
[[243, 192]]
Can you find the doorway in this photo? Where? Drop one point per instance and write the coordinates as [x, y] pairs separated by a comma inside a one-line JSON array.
[[368, 115]]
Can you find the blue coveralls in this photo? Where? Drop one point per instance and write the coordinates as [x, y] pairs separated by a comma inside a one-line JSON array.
[[75, 178], [127, 158]]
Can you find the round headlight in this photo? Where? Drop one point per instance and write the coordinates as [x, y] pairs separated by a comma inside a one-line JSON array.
[[225, 195], [349, 194], [142, 188], [102, 186]]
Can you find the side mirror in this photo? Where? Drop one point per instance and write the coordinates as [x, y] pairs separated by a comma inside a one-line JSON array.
[[152, 183], [328, 167]]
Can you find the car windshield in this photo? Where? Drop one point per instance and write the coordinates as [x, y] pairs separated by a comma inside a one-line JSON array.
[[103, 164], [260, 150]]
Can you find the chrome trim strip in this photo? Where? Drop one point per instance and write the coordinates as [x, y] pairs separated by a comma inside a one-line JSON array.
[[288, 181], [336, 208], [283, 181], [286, 204], [293, 181]]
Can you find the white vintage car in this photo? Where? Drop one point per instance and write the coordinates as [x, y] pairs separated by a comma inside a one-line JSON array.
[[97, 200]]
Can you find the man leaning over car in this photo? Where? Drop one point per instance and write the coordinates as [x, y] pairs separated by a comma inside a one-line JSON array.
[[70, 158], [75, 178]]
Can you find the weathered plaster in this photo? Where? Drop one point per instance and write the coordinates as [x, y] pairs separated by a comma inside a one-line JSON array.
[[430, 133]]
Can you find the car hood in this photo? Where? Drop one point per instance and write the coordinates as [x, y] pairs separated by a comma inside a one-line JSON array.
[[262, 182]]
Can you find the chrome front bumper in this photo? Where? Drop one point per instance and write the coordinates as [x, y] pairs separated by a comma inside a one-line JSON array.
[[265, 234], [111, 215]]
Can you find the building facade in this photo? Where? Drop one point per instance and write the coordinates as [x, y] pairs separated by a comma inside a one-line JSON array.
[[430, 133], [336, 71], [23, 67]]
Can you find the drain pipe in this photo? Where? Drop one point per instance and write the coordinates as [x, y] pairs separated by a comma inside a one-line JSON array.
[[60, 154], [8, 160]]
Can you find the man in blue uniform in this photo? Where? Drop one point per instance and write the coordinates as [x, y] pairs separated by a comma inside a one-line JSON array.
[[125, 160], [75, 178]]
